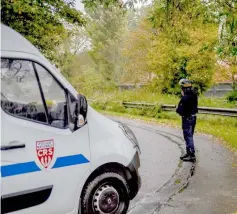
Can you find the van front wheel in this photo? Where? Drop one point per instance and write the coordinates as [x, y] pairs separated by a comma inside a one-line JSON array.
[[106, 194]]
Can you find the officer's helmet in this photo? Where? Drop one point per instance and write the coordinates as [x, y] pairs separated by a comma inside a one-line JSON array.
[[185, 83]]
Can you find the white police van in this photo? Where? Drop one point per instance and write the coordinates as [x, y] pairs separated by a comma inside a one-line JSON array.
[[58, 155]]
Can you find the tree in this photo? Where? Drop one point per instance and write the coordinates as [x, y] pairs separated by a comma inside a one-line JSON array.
[[70, 47], [91, 4], [184, 36], [105, 27], [41, 21], [136, 46], [227, 49]]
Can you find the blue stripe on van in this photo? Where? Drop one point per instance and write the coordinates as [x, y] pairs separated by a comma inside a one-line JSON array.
[[29, 167], [19, 168], [70, 161]]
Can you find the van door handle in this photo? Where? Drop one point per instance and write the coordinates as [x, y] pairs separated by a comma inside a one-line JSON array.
[[13, 146]]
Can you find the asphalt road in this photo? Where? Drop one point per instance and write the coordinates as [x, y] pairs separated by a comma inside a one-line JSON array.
[[170, 186]]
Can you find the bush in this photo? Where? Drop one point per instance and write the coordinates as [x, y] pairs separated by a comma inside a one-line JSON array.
[[156, 111], [148, 112], [232, 97], [98, 105], [115, 107], [109, 106]]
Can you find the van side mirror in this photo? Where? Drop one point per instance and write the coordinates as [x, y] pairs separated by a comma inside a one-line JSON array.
[[81, 111]]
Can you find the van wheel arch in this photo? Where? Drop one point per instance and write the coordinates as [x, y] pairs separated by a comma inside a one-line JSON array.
[[109, 167]]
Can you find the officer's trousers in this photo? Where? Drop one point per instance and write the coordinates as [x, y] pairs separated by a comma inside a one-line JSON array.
[[188, 125]]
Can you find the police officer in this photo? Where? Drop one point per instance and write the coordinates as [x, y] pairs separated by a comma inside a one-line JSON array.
[[187, 109]]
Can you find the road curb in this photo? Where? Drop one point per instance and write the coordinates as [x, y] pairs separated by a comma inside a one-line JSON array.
[[156, 201], [179, 181]]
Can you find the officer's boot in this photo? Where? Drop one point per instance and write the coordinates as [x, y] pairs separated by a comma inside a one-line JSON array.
[[190, 158], [186, 155]]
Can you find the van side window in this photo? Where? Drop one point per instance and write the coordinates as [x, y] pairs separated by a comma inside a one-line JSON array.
[[55, 98], [20, 94]]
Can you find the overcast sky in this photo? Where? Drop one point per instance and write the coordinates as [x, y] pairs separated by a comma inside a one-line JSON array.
[[79, 5]]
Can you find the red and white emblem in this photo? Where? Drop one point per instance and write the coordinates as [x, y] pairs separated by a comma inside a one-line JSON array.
[[45, 152]]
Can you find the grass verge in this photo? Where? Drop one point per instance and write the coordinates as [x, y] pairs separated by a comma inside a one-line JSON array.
[[142, 95], [223, 128]]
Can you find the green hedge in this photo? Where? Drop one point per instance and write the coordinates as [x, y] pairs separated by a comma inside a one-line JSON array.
[[232, 97]]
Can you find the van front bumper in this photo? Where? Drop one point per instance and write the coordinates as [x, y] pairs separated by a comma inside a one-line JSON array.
[[134, 179]]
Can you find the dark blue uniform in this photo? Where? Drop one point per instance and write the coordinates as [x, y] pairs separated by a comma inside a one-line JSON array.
[[187, 108]]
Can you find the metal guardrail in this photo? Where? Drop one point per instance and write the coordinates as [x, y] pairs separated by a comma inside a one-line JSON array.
[[201, 110]]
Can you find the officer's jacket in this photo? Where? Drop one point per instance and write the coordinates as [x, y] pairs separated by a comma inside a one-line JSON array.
[[188, 105]]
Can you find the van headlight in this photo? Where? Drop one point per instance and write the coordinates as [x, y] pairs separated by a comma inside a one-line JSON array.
[[130, 135]]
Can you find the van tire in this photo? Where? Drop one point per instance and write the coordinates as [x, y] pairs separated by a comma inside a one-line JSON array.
[[107, 193]]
